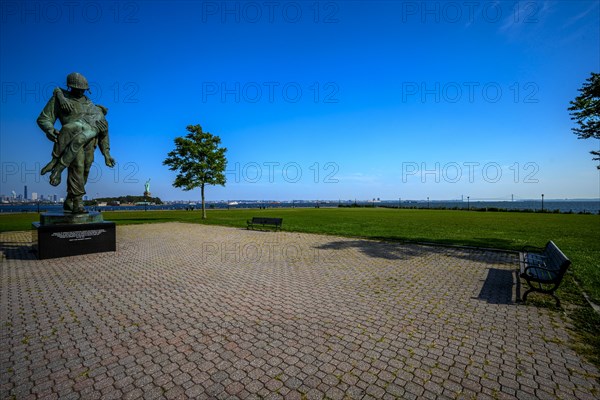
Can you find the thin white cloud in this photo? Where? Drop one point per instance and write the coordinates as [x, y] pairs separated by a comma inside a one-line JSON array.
[[580, 16], [523, 14]]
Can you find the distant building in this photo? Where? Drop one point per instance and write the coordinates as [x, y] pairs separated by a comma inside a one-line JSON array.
[[25, 192], [34, 196]]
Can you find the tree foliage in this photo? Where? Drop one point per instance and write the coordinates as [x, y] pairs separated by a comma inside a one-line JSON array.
[[585, 111], [199, 161]]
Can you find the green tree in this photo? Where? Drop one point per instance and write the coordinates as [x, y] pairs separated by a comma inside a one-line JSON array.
[[585, 110], [199, 160]]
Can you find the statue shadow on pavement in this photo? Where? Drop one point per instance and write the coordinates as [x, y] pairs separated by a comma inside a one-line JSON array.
[[16, 250]]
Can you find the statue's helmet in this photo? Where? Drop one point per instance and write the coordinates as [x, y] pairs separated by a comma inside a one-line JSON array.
[[77, 81]]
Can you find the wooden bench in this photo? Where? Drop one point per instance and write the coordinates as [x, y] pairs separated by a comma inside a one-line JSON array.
[[543, 270], [265, 222]]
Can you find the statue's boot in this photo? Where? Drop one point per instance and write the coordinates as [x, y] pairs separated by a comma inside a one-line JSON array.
[[49, 166], [68, 204], [78, 206], [56, 173]]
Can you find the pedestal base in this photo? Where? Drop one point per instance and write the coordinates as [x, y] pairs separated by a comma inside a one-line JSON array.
[[66, 218], [63, 240]]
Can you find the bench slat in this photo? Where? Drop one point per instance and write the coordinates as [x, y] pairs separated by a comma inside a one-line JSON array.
[[265, 222], [544, 269]]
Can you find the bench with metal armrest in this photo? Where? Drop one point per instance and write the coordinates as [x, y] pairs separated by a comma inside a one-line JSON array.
[[264, 222], [543, 270]]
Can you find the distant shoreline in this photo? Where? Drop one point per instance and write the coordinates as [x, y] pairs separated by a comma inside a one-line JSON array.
[[580, 206]]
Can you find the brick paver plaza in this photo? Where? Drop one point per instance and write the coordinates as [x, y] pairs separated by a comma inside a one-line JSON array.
[[193, 311]]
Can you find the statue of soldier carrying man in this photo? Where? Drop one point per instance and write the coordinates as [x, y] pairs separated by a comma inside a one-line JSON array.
[[83, 128]]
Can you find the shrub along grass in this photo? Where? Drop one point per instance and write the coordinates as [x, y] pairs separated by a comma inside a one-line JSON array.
[[577, 235]]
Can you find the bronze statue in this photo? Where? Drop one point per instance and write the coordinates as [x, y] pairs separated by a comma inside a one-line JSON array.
[[84, 127]]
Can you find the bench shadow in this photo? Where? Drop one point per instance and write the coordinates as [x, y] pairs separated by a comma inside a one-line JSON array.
[[497, 287]]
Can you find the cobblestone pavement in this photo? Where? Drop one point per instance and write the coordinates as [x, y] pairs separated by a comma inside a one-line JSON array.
[[192, 311]]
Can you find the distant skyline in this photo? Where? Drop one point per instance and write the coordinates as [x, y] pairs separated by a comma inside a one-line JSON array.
[[314, 99]]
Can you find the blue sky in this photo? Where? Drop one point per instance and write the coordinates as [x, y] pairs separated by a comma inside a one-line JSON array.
[[314, 100]]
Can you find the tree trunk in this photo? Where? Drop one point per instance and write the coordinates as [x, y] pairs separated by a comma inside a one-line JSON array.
[[203, 208]]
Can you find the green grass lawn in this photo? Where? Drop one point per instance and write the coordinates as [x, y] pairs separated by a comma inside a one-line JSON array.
[[577, 235]]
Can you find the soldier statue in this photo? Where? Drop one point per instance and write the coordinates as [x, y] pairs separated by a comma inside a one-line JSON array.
[[83, 128]]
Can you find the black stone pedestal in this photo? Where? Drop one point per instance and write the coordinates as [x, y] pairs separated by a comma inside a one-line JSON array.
[[64, 239]]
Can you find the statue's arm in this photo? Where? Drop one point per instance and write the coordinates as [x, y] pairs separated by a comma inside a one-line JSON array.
[[47, 118], [102, 124], [65, 105], [104, 145]]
